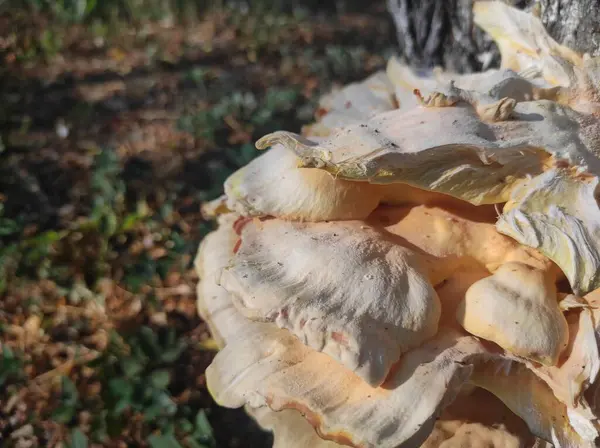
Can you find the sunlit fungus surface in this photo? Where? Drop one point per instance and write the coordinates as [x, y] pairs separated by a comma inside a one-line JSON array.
[[421, 266]]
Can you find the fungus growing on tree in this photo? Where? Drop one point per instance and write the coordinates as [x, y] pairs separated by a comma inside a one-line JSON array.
[[429, 248]]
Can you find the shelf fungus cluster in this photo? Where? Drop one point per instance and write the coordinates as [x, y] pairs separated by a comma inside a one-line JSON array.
[[421, 266]]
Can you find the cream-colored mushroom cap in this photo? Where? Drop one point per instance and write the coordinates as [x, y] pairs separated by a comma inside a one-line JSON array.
[[517, 308], [342, 288], [272, 184]]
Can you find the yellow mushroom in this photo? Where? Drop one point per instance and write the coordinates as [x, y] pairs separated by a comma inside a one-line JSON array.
[[342, 288], [517, 308], [394, 276]]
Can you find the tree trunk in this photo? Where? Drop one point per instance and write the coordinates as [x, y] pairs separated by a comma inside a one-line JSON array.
[[442, 33]]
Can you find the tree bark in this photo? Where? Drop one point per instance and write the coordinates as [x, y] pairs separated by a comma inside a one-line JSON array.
[[442, 33]]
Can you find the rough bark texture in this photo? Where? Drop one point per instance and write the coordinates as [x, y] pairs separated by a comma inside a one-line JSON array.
[[442, 33]]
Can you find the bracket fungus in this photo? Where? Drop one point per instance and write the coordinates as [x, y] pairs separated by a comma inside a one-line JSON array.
[[420, 266]]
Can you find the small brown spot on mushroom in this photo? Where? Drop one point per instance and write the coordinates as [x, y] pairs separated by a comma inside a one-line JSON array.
[[340, 338], [240, 223], [237, 246], [321, 112], [314, 419]]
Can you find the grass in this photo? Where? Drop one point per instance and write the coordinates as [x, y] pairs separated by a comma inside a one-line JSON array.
[[119, 118]]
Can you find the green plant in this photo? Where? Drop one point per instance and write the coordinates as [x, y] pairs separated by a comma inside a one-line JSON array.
[[135, 372], [65, 10], [78, 439], [8, 226], [31, 257], [244, 107], [132, 375], [200, 435], [69, 401], [11, 366], [108, 192], [145, 267], [50, 42]]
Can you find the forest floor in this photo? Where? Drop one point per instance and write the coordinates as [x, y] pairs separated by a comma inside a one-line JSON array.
[[115, 127]]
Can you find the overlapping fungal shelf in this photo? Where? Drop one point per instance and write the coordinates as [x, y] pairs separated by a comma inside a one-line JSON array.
[[421, 266]]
